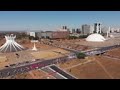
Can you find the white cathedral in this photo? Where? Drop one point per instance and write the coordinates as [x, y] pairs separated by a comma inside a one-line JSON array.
[[11, 45]]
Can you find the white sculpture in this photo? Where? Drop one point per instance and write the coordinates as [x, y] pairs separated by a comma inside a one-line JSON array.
[[34, 48], [10, 45]]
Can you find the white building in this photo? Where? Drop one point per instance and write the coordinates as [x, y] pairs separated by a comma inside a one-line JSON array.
[[85, 29], [32, 34], [46, 34], [117, 29], [91, 28]]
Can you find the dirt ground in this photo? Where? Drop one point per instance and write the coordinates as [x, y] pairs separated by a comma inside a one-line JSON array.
[[88, 71], [100, 67], [109, 42], [48, 54], [111, 65], [97, 67], [114, 53], [35, 74], [44, 51]]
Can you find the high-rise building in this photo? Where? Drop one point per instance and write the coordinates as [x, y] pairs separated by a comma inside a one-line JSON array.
[[97, 28], [78, 30], [91, 29], [68, 30], [85, 29], [73, 31], [64, 27], [32, 34]]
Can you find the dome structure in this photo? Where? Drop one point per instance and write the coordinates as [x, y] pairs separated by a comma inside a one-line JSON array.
[[95, 38]]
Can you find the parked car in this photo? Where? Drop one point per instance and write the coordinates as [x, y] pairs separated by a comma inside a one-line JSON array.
[[12, 64], [27, 62], [6, 66]]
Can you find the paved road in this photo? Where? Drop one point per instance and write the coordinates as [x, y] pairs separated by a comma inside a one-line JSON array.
[[100, 50], [60, 71], [28, 67], [92, 52], [53, 73]]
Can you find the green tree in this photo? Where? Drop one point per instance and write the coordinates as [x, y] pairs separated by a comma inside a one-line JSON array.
[[81, 55], [36, 38], [31, 38], [73, 37], [94, 32], [83, 36]]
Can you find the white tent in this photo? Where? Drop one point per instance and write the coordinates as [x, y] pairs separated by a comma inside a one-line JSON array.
[[10, 45], [34, 47]]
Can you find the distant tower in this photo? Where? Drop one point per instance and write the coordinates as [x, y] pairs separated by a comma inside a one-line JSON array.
[[109, 29], [64, 27], [97, 28], [108, 32], [73, 31]]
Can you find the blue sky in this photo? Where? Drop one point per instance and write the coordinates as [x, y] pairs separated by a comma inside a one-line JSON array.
[[50, 20]]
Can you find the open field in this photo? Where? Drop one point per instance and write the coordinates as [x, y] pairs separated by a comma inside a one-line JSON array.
[[88, 71], [84, 69], [3, 61], [48, 54], [95, 67], [108, 42], [70, 63], [35, 74], [114, 53], [67, 44], [98, 67], [44, 51], [111, 65]]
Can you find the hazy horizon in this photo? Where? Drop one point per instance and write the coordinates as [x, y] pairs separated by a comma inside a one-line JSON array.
[[51, 20]]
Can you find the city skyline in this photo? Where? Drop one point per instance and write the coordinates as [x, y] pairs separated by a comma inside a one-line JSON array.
[[51, 20]]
